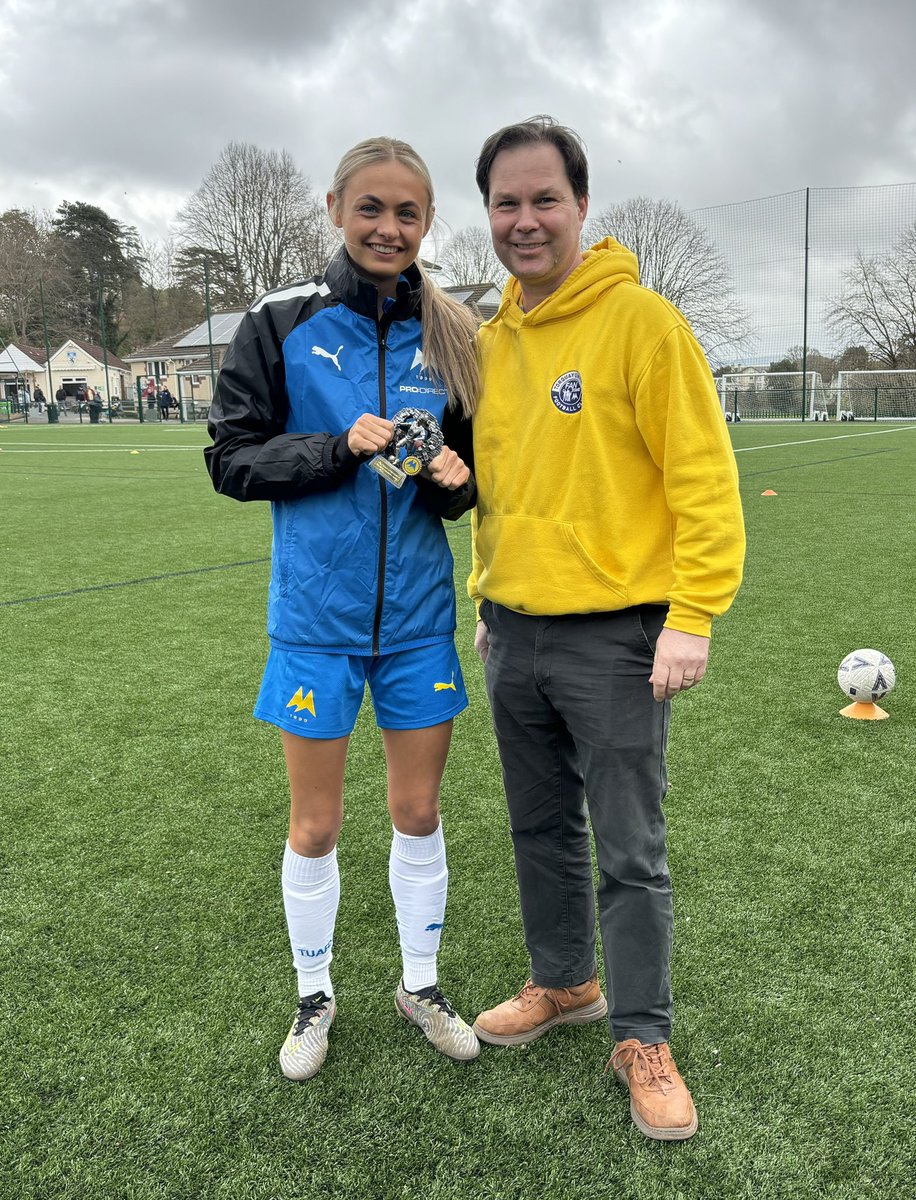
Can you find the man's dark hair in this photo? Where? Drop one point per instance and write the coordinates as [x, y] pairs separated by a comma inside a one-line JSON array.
[[529, 133]]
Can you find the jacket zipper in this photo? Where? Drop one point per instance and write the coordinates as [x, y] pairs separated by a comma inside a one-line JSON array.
[[382, 339]]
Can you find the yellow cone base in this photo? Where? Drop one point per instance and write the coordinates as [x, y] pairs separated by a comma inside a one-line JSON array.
[[860, 711]]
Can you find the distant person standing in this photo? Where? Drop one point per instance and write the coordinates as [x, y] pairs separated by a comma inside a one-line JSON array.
[[39, 399], [61, 397], [168, 400]]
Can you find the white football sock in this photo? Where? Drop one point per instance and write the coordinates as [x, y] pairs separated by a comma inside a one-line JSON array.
[[311, 893], [419, 883]]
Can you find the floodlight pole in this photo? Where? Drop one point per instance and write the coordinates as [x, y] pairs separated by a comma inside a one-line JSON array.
[[209, 327], [805, 311], [104, 350], [44, 322]]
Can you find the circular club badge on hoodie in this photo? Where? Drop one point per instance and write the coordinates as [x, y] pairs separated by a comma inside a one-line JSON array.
[[566, 393]]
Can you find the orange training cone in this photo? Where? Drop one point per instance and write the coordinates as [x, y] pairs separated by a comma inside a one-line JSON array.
[[864, 710], [769, 492]]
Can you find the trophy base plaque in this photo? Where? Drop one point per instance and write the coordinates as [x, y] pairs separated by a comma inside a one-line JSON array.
[[388, 470]]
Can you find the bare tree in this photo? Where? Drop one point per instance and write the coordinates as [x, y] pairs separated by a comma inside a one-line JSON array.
[[677, 260], [157, 263], [792, 360], [25, 260], [159, 302], [316, 241], [252, 211], [877, 307], [469, 257]]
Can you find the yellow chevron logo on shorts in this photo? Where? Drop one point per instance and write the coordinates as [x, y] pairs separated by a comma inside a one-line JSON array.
[[443, 687], [300, 703]]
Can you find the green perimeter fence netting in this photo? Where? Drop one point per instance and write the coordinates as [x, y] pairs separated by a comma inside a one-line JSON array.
[[823, 281]]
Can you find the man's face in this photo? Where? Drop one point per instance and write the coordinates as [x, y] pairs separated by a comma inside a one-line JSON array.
[[535, 220]]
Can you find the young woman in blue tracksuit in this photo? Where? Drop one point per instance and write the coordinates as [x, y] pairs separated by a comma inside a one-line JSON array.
[[361, 587]]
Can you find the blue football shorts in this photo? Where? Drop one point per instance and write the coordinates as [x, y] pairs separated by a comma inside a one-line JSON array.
[[319, 695]]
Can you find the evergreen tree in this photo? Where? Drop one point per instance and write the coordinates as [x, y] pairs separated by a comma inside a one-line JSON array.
[[100, 256]]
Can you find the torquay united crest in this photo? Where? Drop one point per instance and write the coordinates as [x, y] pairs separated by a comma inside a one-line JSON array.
[[566, 393]]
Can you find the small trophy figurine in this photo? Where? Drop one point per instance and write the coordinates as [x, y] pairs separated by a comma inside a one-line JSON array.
[[417, 439]]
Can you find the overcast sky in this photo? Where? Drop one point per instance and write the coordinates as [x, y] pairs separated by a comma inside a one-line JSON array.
[[126, 103]]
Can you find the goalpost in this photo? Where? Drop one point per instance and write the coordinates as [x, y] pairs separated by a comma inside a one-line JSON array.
[[876, 395], [773, 396]]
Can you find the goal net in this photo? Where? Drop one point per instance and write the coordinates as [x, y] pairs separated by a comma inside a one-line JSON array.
[[774, 396], [876, 396]]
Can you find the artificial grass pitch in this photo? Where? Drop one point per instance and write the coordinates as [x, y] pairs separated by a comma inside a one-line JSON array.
[[146, 976]]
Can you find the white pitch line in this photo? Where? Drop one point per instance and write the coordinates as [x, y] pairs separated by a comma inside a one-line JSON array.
[[126, 445], [836, 437], [100, 450]]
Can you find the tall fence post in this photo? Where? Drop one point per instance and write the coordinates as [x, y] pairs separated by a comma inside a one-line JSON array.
[[209, 327], [52, 399], [103, 332], [804, 412]]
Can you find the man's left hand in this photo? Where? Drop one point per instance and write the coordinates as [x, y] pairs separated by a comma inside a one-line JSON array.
[[680, 662]]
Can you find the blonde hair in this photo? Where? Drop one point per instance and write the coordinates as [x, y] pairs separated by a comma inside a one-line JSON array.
[[449, 349]]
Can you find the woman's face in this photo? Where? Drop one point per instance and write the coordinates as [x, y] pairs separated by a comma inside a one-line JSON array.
[[384, 213]]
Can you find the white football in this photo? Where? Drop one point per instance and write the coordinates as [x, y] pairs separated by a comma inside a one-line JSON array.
[[866, 675]]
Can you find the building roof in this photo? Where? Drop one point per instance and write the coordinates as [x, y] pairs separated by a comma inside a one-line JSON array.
[[34, 352], [220, 331], [182, 344], [482, 298], [18, 359], [162, 349]]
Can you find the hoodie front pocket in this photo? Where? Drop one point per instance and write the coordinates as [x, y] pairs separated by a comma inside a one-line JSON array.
[[532, 564]]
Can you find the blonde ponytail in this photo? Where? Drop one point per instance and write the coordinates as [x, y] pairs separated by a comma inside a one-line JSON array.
[[449, 345]]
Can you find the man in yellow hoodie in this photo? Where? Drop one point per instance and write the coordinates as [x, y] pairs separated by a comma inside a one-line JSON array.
[[608, 534]]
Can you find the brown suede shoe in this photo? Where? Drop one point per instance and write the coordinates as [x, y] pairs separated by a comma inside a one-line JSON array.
[[660, 1104], [536, 1009]]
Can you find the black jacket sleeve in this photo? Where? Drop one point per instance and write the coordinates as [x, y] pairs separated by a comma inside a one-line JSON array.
[[252, 458], [456, 430]]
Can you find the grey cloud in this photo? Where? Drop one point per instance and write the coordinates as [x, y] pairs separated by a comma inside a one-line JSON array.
[[704, 104]]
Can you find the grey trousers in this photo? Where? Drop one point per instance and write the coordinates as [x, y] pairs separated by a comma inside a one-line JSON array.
[[577, 726]]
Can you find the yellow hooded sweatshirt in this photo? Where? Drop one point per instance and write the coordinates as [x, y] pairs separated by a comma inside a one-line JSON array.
[[604, 469]]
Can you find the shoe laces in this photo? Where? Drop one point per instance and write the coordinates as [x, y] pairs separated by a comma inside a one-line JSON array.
[[433, 997], [309, 1009], [651, 1064], [533, 992]]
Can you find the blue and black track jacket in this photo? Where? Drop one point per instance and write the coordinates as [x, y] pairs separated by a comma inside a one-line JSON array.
[[358, 567]]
